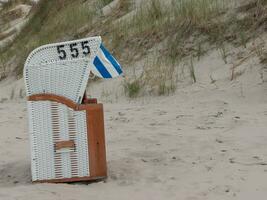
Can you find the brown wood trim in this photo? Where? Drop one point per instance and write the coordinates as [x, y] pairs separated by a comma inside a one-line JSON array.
[[64, 144], [56, 98], [74, 179], [96, 141], [90, 101], [60, 99]]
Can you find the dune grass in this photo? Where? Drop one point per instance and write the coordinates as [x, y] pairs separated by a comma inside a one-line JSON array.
[[11, 3], [52, 21], [158, 77], [102, 3], [155, 22], [183, 28]]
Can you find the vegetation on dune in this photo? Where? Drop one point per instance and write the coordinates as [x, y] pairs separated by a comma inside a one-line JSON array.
[[102, 3], [185, 29], [11, 3], [52, 21], [154, 22]]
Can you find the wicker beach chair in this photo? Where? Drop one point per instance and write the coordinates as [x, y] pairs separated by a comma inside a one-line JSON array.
[[66, 132]]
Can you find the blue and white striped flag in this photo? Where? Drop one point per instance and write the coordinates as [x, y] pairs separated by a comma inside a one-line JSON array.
[[105, 65]]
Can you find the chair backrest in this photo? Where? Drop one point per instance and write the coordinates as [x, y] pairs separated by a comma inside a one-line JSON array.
[[61, 68]]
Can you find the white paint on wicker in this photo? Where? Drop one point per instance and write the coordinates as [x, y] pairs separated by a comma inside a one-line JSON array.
[[44, 72], [82, 144], [41, 140], [47, 163], [51, 122]]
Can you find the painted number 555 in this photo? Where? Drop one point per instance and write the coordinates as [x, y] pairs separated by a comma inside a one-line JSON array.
[[74, 50]]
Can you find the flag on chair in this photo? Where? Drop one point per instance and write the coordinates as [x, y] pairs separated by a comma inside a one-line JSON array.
[[105, 65]]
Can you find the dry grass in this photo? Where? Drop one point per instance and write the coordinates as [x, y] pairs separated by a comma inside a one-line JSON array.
[[52, 21], [12, 3], [154, 23], [7, 34], [9, 15], [184, 19], [158, 77], [187, 29], [102, 3], [132, 87], [187, 25], [3, 71]]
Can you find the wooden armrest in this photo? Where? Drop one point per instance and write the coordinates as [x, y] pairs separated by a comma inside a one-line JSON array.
[[65, 144]]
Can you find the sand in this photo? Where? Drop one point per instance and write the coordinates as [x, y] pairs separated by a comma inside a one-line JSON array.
[[206, 141]]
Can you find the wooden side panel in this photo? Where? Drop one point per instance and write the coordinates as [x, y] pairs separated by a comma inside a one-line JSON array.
[[90, 101], [96, 140]]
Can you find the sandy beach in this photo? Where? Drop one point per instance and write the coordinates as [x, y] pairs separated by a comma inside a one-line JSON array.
[[204, 140], [207, 141]]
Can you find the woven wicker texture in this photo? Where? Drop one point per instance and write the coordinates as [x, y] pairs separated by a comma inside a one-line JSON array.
[[52, 122], [62, 68]]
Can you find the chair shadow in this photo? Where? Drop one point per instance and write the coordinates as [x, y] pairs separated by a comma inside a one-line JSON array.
[[15, 173]]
